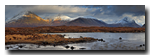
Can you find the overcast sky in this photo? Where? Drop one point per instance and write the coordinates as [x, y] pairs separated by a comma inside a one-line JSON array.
[[106, 13]]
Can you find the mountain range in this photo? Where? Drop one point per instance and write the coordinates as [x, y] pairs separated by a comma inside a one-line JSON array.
[[29, 19]]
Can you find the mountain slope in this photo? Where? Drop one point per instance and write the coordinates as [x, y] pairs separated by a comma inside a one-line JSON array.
[[127, 22], [26, 19], [57, 20], [143, 26], [85, 22]]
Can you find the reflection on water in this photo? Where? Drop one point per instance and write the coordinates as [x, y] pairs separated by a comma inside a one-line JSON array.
[[129, 41]]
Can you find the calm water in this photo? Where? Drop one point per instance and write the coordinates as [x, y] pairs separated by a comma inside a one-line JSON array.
[[130, 41]]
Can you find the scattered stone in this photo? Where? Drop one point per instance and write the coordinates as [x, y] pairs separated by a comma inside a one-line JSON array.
[[20, 46], [100, 39], [67, 47], [38, 46], [143, 44], [7, 47], [72, 47], [54, 45], [120, 38], [103, 40], [140, 45], [82, 48], [81, 37]]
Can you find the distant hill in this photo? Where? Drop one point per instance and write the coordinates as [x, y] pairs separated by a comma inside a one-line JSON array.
[[85, 22]]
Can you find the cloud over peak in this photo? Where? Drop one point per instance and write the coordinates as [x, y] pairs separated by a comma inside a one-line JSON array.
[[108, 13]]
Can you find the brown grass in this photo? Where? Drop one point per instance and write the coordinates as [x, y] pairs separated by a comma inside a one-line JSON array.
[[40, 38], [64, 29]]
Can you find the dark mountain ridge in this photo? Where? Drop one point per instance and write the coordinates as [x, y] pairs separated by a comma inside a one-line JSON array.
[[85, 22]]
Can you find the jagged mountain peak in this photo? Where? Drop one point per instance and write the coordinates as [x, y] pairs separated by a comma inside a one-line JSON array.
[[126, 20], [24, 13], [26, 19], [18, 16]]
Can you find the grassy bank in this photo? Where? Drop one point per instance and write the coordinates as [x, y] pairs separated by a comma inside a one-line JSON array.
[[43, 39], [68, 29]]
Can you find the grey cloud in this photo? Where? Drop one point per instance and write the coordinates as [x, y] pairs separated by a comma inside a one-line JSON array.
[[122, 9], [11, 11], [107, 9], [119, 9]]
